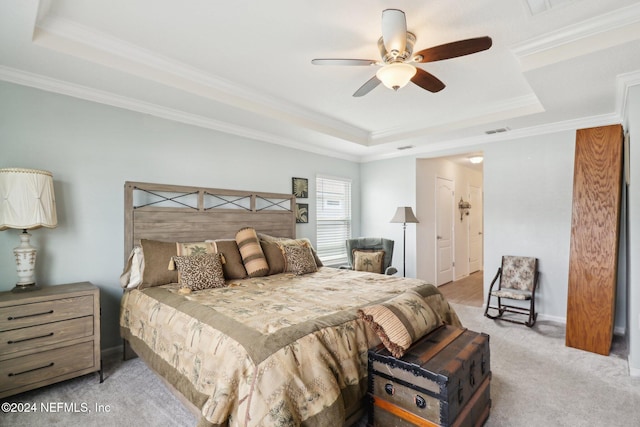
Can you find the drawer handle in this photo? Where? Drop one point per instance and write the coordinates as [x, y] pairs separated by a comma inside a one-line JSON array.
[[29, 315], [31, 370], [389, 389], [50, 334], [420, 402]]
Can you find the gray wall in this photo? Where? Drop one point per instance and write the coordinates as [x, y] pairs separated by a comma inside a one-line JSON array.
[[633, 230], [528, 186], [92, 149], [386, 185], [527, 211]]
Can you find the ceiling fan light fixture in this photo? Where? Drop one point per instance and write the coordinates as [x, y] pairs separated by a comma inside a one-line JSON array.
[[396, 75]]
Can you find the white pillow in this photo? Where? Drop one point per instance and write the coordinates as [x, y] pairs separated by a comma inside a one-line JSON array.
[[131, 277]]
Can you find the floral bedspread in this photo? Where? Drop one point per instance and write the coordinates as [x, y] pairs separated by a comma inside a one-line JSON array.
[[280, 350]]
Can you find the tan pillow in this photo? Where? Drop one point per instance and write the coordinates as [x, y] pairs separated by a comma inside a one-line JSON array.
[[231, 259], [156, 263], [200, 271], [287, 241], [371, 261], [275, 257], [299, 259], [401, 321], [194, 248], [252, 256]]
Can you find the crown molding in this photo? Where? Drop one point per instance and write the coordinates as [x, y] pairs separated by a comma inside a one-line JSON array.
[[57, 33], [526, 104], [610, 29], [623, 83], [49, 84], [475, 141]]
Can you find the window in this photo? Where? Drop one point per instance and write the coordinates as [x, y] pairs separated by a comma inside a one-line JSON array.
[[333, 209]]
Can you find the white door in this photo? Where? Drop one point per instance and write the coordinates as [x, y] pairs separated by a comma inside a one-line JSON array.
[[475, 229], [444, 230]]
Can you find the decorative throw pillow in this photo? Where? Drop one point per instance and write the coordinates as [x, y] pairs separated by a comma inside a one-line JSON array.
[[200, 271], [156, 261], [275, 257], [194, 248], [401, 321], [371, 261], [252, 256], [287, 241], [299, 259], [231, 259], [131, 277]]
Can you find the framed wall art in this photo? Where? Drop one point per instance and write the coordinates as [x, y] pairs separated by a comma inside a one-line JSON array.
[[302, 213], [300, 187]]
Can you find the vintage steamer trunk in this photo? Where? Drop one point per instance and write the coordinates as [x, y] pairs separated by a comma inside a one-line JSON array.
[[442, 380]]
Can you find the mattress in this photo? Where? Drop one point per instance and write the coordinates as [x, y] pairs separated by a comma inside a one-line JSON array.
[[269, 351]]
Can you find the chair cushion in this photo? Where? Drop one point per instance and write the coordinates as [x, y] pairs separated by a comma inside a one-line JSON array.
[[372, 244], [518, 272], [367, 260], [512, 294]]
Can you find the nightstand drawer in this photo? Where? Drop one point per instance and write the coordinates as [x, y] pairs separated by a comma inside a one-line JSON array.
[[45, 365], [51, 333], [20, 316]]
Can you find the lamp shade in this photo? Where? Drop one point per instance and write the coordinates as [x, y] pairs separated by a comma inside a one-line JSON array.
[[396, 75], [404, 214], [26, 199]]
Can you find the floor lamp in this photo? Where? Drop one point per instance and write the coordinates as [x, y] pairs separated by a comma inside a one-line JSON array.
[[404, 215]]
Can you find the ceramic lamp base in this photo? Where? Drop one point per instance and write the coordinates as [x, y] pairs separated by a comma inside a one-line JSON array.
[[25, 256]]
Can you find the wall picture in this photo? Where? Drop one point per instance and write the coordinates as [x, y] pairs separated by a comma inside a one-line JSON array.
[[300, 187], [302, 213]]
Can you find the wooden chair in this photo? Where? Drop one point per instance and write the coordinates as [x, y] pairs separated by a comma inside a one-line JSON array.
[[517, 279]]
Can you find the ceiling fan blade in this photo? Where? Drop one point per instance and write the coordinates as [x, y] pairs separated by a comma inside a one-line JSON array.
[[427, 81], [371, 84], [394, 30], [454, 49], [338, 61]]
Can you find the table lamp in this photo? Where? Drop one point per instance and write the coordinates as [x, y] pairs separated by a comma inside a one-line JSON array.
[[27, 202]]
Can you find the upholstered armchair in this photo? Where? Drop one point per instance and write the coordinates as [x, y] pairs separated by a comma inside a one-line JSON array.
[[373, 254]]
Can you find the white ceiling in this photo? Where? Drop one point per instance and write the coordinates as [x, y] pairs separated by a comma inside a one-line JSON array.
[[244, 67]]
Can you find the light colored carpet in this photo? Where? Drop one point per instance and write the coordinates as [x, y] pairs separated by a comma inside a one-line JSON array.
[[537, 381]]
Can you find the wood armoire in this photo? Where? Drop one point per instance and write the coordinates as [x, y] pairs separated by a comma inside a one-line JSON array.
[[595, 226]]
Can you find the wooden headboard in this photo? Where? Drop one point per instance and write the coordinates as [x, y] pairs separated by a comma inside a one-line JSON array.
[[175, 213]]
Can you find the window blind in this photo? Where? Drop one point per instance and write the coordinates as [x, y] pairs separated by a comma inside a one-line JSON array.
[[333, 221]]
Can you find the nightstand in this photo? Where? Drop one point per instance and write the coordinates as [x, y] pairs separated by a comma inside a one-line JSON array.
[[48, 335]]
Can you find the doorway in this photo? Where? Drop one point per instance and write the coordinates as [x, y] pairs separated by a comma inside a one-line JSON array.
[[475, 229], [445, 193]]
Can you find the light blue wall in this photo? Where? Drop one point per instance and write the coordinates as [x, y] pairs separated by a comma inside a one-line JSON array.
[[527, 211], [528, 186], [386, 185], [92, 149]]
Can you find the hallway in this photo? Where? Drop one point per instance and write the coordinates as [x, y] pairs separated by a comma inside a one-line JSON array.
[[466, 291]]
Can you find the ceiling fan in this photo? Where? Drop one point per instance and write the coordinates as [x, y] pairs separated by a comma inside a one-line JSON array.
[[396, 50]]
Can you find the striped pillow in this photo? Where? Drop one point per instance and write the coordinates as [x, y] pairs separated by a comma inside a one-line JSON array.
[[401, 321], [252, 256]]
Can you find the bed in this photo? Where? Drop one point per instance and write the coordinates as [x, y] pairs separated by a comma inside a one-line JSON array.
[[277, 349]]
